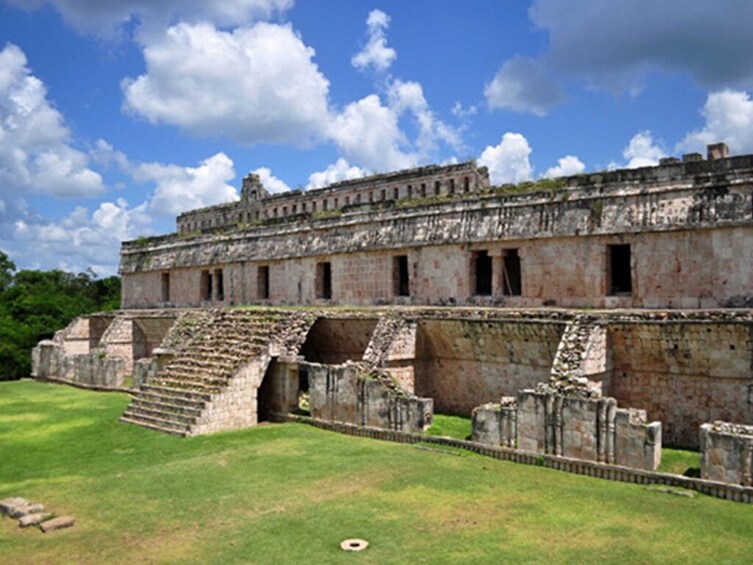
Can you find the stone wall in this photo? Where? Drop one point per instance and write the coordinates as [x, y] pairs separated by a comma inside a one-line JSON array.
[[577, 426], [727, 453], [235, 407], [688, 228], [462, 363], [257, 205], [349, 393], [684, 372], [100, 349]]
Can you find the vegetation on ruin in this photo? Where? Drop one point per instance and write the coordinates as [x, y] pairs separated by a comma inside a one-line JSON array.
[[290, 493], [35, 304]]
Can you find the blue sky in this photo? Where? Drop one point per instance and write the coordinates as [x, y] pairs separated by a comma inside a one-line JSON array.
[[116, 115]]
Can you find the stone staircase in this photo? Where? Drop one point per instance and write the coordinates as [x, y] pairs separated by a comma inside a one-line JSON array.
[[175, 400]]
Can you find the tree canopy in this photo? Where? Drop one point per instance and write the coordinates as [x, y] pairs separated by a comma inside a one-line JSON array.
[[35, 304]]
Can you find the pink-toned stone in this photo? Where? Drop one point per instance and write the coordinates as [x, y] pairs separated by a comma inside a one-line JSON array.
[[58, 523]]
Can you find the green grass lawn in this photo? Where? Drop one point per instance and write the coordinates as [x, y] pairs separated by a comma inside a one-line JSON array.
[[289, 493]]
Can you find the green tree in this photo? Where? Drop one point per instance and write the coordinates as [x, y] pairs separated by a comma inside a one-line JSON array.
[[35, 304]]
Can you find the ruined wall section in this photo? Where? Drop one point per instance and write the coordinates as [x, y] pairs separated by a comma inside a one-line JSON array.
[[257, 205], [462, 363], [688, 226], [355, 394], [393, 347], [573, 421], [685, 372], [645, 200], [727, 453]]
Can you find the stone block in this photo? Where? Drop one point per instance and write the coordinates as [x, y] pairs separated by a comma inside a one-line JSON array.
[[8, 505], [24, 510], [58, 523], [486, 424], [33, 519]]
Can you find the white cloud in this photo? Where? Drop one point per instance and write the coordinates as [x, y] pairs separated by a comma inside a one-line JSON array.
[[368, 133], [106, 155], [79, 241], [460, 111], [271, 182], [258, 84], [566, 166], [409, 96], [109, 16], [729, 118], [35, 147], [615, 45], [339, 171], [523, 84], [509, 160], [643, 151], [375, 53], [179, 189]]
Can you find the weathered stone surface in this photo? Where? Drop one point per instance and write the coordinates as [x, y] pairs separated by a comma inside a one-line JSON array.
[[687, 225], [579, 424], [33, 519], [354, 393], [25, 509], [8, 505], [727, 453], [58, 523]]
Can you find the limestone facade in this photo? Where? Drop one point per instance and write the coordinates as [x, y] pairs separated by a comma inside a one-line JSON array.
[[673, 236]]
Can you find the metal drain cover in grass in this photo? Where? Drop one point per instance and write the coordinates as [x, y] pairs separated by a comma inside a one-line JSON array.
[[354, 544]]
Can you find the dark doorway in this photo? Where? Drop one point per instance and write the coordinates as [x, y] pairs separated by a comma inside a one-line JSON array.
[[324, 280], [264, 393], [511, 283], [482, 271], [262, 282], [400, 276], [619, 272], [165, 287]]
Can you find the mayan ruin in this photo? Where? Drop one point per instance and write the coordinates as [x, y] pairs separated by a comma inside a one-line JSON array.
[[591, 318]]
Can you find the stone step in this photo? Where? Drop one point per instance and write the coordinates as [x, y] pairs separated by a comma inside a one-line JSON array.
[[196, 384], [175, 418], [194, 373], [168, 429], [168, 407], [166, 392]]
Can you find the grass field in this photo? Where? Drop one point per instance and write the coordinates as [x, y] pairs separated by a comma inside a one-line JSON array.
[[290, 493]]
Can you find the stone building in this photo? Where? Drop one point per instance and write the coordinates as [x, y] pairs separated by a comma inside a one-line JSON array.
[[662, 256], [673, 236]]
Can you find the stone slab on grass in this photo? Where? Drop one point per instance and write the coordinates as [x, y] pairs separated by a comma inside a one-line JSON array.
[[21, 511], [33, 519], [7, 505], [57, 523]]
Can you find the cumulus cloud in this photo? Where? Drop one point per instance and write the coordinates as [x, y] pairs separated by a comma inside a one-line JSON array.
[[523, 84], [35, 146], [508, 161], [375, 53], [271, 182], [253, 85], [566, 166], [80, 240], [339, 171], [729, 118], [460, 111], [110, 16], [409, 96], [368, 133], [615, 44], [642, 151], [185, 188]]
